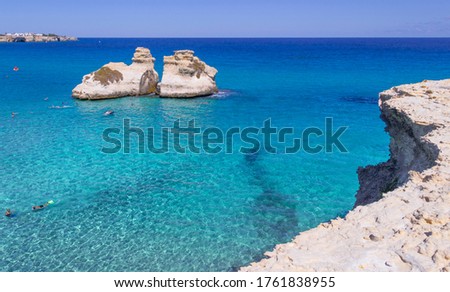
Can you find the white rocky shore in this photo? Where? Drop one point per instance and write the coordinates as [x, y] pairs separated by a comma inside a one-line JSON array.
[[186, 76], [118, 79], [401, 221]]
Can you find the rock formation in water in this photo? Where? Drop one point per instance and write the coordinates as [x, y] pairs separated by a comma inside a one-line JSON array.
[[401, 220], [186, 76], [118, 79]]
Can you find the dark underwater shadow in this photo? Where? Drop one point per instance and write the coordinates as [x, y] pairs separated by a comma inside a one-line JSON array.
[[360, 99], [274, 213]]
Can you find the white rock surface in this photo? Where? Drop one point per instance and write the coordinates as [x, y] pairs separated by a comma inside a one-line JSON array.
[[118, 79], [186, 76], [403, 223]]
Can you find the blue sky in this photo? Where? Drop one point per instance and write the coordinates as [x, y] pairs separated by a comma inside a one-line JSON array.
[[228, 18]]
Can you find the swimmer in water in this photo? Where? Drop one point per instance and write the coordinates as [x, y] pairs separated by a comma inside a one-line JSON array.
[[40, 207], [108, 113]]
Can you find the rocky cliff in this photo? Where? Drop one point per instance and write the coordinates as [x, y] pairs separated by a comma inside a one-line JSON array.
[[401, 219], [118, 79], [186, 76]]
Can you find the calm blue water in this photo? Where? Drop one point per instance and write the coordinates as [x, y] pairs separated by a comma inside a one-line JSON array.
[[175, 212]]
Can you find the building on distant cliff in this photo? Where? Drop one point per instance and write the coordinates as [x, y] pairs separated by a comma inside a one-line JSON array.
[[34, 37]]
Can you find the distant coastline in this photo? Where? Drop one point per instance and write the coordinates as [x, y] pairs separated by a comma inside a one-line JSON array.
[[34, 37]]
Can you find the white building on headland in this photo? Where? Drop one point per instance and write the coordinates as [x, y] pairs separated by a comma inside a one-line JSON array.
[[34, 37]]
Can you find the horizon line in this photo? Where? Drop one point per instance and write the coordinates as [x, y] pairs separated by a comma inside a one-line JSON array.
[[261, 37]]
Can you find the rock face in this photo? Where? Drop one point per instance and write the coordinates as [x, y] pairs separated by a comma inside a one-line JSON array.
[[118, 79], [401, 221], [186, 76]]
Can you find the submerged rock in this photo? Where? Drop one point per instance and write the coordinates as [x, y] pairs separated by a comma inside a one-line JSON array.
[[186, 76], [118, 79]]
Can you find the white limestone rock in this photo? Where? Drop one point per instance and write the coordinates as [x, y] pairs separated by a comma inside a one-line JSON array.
[[186, 76], [115, 80]]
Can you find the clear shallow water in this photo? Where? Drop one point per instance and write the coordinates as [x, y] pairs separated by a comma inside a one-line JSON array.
[[173, 212]]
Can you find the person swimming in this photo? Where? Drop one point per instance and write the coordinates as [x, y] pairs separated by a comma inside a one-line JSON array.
[[60, 106], [108, 113], [8, 213], [40, 207]]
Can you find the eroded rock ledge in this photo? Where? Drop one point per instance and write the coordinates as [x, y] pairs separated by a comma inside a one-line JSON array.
[[401, 219]]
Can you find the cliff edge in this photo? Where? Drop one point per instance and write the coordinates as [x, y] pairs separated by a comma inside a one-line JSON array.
[[401, 219]]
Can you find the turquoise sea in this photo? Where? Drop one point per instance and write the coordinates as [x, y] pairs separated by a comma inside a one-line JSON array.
[[188, 212]]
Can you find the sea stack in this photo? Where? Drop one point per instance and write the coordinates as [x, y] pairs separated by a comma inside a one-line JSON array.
[[186, 76], [115, 80]]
